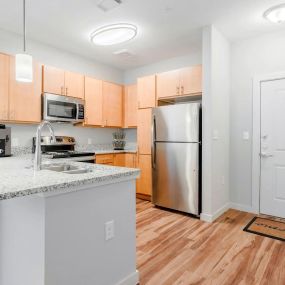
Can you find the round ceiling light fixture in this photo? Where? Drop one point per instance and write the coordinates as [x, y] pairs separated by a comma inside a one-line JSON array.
[[113, 34], [275, 14]]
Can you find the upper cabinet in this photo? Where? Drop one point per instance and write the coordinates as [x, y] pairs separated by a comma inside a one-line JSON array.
[[25, 98], [112, 105], [181, 82], [146, 87], [58, 81], [131, 106], [93, 101], [4, 87], [19, 102]]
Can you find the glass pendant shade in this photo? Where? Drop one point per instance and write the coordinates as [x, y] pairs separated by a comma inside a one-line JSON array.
[[24, 68]]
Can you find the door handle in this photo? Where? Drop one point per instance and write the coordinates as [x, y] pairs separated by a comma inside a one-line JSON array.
[[153, 144], [265, 155]]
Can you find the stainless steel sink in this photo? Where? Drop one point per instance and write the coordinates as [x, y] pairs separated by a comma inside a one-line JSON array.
[[65, 168]]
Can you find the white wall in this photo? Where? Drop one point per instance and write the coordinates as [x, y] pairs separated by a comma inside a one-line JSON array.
[[194, 58], [215, 101], [22, 134], [12, 43], [252, 57]]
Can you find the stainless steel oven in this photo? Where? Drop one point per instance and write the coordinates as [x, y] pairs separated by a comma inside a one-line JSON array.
[[59, 108]]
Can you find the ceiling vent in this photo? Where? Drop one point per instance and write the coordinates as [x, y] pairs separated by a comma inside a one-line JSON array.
[[123, 53], [108, 5]]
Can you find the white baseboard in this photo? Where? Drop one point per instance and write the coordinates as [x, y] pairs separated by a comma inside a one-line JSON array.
[[243, 208], [132, 279], [212, 217]]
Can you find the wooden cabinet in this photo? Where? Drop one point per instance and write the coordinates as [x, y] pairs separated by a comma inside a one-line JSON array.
[[58, 81], [112, 105], [131, 160], [4, 87], [181, 82], [120, 159], [144, 183], [93, 101], [144, 131], [168, 84], [74, 84], [146, 88], [53, 80], [191, 80], [131, 106], [105, 159], [25, 98]]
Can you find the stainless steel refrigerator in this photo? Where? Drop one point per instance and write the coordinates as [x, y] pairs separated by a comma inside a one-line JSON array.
[[176, 157]]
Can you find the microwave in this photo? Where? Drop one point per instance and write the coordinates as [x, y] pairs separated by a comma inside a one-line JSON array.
[[58, 108]]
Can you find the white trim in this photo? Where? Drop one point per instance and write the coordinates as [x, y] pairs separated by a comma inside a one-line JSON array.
[[212, 217], [256, 135], [243, 208], [132, 279]]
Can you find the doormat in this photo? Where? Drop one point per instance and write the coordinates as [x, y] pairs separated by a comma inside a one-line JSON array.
[[267, 228]]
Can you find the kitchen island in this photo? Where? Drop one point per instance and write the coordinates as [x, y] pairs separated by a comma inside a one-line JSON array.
[[66, 228]]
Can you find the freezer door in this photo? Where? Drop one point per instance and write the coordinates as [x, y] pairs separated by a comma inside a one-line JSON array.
[[175, 176], [177, 123]]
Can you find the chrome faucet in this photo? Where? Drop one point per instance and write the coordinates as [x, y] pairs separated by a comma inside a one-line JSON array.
[[38, 150]]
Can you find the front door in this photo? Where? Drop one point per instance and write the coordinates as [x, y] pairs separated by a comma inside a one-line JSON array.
[[272, 151]]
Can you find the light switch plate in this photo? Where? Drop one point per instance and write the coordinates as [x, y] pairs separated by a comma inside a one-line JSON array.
[[109, 230], [245, 135]]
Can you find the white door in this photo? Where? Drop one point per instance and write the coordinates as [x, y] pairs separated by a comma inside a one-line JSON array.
[[272, 152]]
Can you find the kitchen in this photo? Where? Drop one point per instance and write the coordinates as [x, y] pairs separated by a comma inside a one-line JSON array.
[[121, 87]]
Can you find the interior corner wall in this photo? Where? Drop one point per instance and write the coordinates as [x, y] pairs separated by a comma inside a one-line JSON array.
[[215, 101], [251, 57]]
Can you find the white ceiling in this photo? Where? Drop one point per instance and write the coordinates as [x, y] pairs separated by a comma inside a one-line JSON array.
[[167, 28]]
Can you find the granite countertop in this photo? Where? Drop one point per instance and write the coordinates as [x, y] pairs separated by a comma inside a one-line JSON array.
[[19, 179]]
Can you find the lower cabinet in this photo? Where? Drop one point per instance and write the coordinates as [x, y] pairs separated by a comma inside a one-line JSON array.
[[132, 160], [144, 183]]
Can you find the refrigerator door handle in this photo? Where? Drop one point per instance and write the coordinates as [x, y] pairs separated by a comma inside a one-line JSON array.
[[153, 145]]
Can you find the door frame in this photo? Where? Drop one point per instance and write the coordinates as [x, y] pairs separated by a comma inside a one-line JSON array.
[[256, 129]]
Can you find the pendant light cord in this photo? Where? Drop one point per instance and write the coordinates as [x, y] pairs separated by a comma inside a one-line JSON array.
[[24, 24]]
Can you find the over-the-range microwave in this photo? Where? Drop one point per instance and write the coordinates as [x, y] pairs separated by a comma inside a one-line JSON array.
[[58, 108]]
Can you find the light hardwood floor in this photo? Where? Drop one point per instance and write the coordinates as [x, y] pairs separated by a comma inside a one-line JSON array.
[[176, 249]]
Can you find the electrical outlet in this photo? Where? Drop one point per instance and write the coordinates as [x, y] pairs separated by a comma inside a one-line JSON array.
[[109, 230], [245, 135], [89, 141], [15, 142]]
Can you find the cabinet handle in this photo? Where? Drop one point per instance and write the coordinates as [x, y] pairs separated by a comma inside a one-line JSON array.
[[66, 91], [182, 90], [177, 90]]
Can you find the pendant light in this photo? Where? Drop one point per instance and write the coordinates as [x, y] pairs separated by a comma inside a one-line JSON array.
[[24, 61]]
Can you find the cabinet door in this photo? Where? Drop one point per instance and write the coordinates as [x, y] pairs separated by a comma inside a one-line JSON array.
[[74, 84], [4, 86], [112, 105], [93, 101], [146, 91], [131, 106], [144, 131], [25, 98], [120, 159], [53, 80], [168, 84], [131, 160], [191, 80], [144, 184], [105, 159]]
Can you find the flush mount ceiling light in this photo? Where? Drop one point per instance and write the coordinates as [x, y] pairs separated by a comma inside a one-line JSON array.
[[24, 61], [276, 14], [113, 34]]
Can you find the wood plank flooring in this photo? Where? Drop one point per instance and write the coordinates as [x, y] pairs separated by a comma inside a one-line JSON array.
[[174, 249]]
